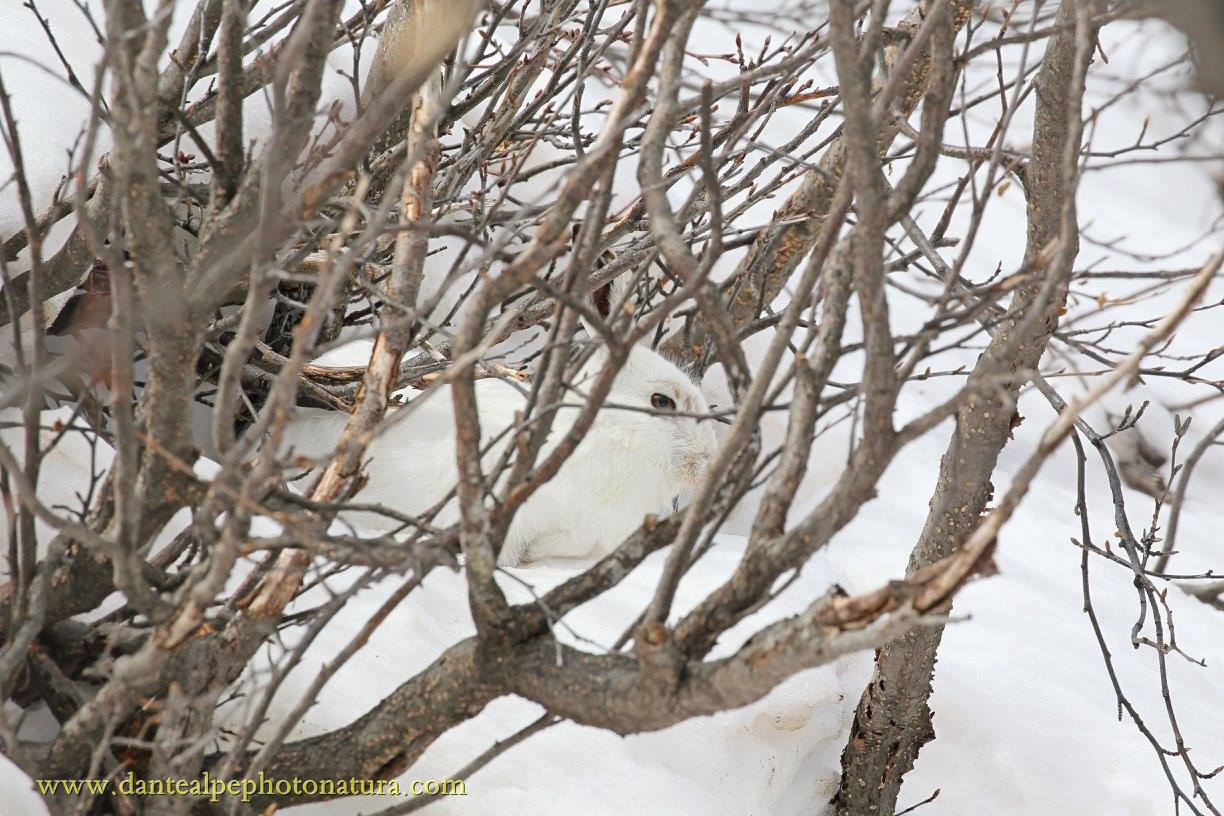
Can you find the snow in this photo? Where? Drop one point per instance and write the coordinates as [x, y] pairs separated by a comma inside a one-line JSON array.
[[699, 764], [1025, 719], [49, 129]]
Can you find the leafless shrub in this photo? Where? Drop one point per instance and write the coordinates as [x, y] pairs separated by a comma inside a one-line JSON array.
[[211, 270]]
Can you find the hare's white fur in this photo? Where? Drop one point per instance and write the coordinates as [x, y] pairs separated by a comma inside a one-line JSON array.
[[631, 463]]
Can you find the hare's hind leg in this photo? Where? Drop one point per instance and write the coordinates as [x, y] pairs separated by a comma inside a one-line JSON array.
[[513, 553], [521, 551], [555, 543]]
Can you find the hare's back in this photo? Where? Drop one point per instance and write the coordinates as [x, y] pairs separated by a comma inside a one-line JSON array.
[[412, 464]]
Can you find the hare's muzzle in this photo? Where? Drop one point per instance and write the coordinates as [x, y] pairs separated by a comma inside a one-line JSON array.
[[693, 461]]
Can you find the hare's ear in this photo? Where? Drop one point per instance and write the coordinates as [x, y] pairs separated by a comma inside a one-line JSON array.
[[600, 300], [609, 297]]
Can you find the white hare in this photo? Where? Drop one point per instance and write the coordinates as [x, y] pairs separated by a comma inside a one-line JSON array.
[[645, 447]]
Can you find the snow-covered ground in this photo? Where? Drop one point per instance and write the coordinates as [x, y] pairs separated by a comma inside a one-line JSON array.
[[1025, 717]]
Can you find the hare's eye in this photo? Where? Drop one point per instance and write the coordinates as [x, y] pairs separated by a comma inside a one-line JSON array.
[[662, 402]]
